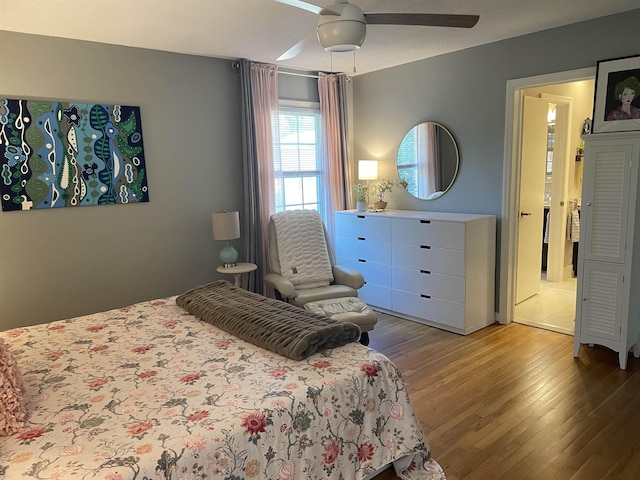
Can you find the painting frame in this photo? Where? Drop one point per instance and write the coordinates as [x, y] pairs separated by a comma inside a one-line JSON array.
[[65, 153], [612, 75]]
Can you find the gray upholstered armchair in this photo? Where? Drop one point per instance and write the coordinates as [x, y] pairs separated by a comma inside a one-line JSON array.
[[304, 273]]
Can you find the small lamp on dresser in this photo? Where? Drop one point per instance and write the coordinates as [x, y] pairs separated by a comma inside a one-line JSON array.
[[226, 226], [367, 170]]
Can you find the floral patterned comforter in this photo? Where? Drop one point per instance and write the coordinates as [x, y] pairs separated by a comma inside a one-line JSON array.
[[151, 392]]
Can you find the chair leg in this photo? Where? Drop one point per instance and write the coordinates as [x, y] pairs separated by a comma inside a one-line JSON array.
[[364, 338]]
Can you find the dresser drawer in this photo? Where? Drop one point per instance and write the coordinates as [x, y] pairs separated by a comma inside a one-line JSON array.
[[373, 272], [428, 233], [363, 249], [434, 259], [433, 309], [366, 226], [434, 285], [375, 295]]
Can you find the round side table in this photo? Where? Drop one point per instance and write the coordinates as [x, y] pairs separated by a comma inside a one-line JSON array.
[[237, 271]]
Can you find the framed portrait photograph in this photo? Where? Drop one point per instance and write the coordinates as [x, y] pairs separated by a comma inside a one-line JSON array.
[[617, 100]]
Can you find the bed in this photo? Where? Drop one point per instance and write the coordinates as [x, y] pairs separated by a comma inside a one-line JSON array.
[[150, 391]]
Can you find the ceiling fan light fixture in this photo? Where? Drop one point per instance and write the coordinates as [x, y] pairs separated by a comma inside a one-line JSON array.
[[342, 30], [342, 35]]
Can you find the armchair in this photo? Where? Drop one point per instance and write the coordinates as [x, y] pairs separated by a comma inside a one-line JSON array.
[[304, 273]]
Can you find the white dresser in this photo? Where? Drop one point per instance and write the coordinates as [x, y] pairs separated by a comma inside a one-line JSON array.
[[431, 267]]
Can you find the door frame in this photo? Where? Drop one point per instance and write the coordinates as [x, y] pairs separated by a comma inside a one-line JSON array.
[[511, 179]]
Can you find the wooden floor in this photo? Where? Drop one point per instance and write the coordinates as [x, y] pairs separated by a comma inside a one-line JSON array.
[[511, 402]]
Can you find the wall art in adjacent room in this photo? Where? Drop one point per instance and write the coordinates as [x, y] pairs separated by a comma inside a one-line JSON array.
[[67, 154]]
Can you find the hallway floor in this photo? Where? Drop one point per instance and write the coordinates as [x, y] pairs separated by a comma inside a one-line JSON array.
[[554, 308]]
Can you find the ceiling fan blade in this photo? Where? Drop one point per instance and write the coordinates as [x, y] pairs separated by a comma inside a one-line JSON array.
[[424, 19], [310, 7], [307, 41]]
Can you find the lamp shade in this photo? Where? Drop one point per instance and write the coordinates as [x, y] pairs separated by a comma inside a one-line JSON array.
[[226, 225], [343, 32], [367, 169]]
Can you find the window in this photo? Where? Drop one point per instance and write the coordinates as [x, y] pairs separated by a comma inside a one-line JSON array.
[[298, 160]]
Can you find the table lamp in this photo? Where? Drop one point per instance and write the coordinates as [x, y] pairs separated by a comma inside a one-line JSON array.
[[226, 226], [367, 170]]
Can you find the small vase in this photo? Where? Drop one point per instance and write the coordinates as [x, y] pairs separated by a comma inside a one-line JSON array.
[[380, 205], [361, 206]]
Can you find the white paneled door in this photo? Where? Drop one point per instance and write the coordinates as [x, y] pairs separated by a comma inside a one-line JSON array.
[[532, 176]]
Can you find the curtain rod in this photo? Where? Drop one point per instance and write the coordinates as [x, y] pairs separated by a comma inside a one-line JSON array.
[[236, 66], [296, 74]]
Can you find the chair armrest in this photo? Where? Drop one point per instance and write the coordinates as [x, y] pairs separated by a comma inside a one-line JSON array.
[[281, 284], [347, 276]]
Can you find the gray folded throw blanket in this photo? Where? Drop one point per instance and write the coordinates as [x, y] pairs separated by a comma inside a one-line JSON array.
[[272, 324]]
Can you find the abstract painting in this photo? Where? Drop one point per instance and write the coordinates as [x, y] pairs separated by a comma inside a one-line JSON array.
[[67, 154]]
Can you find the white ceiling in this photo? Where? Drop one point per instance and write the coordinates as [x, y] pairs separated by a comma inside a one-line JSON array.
[[261, 30]]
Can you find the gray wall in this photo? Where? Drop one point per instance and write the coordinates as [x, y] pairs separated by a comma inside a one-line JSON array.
[[72, 261], [466, 92]]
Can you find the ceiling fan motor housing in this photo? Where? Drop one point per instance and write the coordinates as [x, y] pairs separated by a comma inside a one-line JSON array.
[[344, 32]]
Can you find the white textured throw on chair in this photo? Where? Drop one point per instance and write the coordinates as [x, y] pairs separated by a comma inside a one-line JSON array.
[[302, 249]]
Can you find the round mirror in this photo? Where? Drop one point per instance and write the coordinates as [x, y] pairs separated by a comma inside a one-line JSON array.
[[428, 160]]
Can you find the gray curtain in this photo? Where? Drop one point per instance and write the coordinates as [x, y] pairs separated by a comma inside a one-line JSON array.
[[252, 234], [259, 96]]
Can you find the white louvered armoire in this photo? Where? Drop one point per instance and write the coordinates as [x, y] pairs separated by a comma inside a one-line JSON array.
[[608, 291]]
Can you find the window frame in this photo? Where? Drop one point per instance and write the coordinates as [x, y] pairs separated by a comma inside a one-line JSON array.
[[320, 174]]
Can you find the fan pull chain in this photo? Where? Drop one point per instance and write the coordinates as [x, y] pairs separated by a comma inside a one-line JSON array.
[[331, 57], [354, 61]]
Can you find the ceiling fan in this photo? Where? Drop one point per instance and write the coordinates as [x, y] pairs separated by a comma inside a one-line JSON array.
[[342, 27]]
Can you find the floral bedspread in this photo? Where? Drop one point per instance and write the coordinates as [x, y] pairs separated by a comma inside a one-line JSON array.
[[150, 392]]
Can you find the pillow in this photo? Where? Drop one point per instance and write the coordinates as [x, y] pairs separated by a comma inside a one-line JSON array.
[[12, 411]]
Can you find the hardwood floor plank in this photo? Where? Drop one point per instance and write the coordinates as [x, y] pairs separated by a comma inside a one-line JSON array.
[[511, 402]]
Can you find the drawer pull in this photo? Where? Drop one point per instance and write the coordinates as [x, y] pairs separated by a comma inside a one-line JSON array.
[[427, 272], [362, 261], [361, 238], [428, 247], [425, 221], [360, 216], [425, 296]]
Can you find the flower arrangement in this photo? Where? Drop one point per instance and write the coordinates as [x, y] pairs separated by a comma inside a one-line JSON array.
[[361, 192], [380, 189]]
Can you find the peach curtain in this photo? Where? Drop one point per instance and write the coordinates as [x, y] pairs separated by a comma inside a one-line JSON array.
[[333, 110]]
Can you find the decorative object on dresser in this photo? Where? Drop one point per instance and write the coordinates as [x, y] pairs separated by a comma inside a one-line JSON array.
[[606, 312], [430, 267], [380, 189], [226, 226], [361, 192]]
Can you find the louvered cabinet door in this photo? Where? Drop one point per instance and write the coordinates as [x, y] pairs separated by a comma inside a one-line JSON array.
[[605, 202], [601, 301]]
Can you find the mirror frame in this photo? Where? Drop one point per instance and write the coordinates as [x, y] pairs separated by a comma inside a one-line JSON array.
[[455, 148]]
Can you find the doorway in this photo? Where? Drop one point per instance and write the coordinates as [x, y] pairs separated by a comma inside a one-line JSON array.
[[551, 300], [545, 288]]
